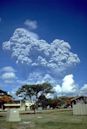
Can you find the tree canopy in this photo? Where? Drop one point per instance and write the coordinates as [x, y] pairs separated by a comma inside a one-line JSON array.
[[34, 90], [5, 97]]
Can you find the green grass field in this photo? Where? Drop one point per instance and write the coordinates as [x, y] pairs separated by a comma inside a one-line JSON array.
[[52, 119]]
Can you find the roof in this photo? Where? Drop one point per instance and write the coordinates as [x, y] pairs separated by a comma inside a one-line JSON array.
[[12, 104], [78, 97]]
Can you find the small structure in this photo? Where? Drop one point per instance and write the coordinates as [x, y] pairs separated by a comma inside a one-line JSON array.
[[80, 109], [13, 115], [79, 99], [28, 104], [19, 104], [4, 98], [79, 105], [12, 105]]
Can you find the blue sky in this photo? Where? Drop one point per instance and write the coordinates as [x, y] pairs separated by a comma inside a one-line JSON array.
[[59, 58]]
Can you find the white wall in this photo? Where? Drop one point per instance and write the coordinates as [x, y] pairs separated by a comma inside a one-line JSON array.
[[80, 109]]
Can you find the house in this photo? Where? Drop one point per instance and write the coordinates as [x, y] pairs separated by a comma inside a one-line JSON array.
[[79, 99], [19, 104], [7, 102], [79, 105], [4, 98]]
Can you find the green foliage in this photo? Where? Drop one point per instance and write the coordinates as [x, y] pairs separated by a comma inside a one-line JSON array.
[[25, 91], [34, 90], [54, 103], [42, 101], [3, 92], [64, 99]]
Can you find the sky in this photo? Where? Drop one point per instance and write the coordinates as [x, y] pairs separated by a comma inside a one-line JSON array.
[[44, 41]]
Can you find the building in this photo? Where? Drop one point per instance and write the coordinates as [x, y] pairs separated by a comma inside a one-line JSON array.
[[19, 104], [79, 105], [4, 98], [79, 99]]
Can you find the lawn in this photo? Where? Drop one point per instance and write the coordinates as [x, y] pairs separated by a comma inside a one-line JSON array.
[[52, 119]]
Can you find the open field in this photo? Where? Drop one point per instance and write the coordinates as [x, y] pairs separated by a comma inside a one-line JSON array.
[[52, 119]]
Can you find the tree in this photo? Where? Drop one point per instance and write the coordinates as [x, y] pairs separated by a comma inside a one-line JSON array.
[[42, 101], [34, 90], [42, 89], [4, 98], [25, 92], [54, 103], [3, 92], [65, 101]]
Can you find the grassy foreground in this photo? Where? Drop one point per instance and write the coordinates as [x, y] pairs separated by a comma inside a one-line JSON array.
[[52, 119]]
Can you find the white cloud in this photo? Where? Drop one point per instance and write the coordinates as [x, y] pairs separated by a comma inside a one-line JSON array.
[[58, 89], [56, 56], [41, 78], [36, 78], [83, 90], [45, 61], [13, 93], [49, 95], [33, 35], [32, 24], [68, 86], [9, 75], [8, 69]]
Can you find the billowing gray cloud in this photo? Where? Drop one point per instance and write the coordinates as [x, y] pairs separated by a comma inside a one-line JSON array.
[[36, 78], [56, 56]]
